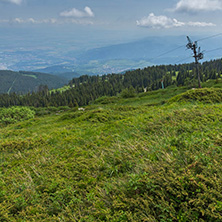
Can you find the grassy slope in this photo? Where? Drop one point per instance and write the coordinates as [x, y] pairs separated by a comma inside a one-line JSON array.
[[130, 160]]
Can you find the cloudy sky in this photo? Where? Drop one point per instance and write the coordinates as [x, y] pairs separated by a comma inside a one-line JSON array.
[[107, 21]]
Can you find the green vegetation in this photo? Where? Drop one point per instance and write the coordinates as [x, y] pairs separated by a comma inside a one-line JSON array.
[[24, 82], [120, 159], [15, 114], [204, 95], [128, 92], [62, 89], [32, 76], [213, 83], [86, 89]]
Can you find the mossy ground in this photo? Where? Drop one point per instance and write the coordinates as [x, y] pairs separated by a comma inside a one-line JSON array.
[[138, 159]]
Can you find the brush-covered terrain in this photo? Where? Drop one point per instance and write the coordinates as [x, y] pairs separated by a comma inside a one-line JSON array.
[[154, 157]]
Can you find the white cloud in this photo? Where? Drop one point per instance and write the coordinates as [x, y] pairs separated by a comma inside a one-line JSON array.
[[192, 6], [161, 21], [78, 21], [30, 21], [158, 22], [201, 24], [47, 21], [18, 20], [17, 2], [77, 13], [89, 11]]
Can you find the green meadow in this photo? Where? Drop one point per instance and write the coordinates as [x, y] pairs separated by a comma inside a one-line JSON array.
[[153, 157]]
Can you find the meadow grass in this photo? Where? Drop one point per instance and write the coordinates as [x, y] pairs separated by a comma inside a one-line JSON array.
[[138, 159]]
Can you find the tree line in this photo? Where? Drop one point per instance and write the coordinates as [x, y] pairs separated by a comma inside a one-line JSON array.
[[86, 89]]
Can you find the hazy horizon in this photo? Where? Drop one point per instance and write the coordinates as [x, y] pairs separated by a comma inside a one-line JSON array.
[[54, 27]]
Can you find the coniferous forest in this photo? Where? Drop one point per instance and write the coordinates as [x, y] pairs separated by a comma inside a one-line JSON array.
[[86, 88], [24, 82]]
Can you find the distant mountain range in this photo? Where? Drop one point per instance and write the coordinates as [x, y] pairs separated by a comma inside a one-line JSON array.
[[120, 57], [24, 82], [113, 58], [137, 54]]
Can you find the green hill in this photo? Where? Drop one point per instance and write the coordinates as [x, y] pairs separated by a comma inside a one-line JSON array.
[[24, 82], [120, 159], [211, 95]]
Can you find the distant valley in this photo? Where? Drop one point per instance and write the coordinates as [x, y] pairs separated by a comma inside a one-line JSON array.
[[113, 58], [120, 57]]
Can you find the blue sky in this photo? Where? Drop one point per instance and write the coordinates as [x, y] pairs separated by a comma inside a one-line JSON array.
[[146, 17], [84, 24]]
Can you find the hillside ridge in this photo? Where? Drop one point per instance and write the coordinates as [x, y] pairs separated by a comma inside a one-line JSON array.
[[24, 82]]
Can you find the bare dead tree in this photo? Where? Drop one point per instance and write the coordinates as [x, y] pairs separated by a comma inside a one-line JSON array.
[[196, 54]]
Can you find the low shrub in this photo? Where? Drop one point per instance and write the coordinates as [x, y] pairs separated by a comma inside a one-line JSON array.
[[128, 93], [106, 100], [15, 114], [205, 95]]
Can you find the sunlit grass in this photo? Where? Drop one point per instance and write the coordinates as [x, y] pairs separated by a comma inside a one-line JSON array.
[[138, 159]]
